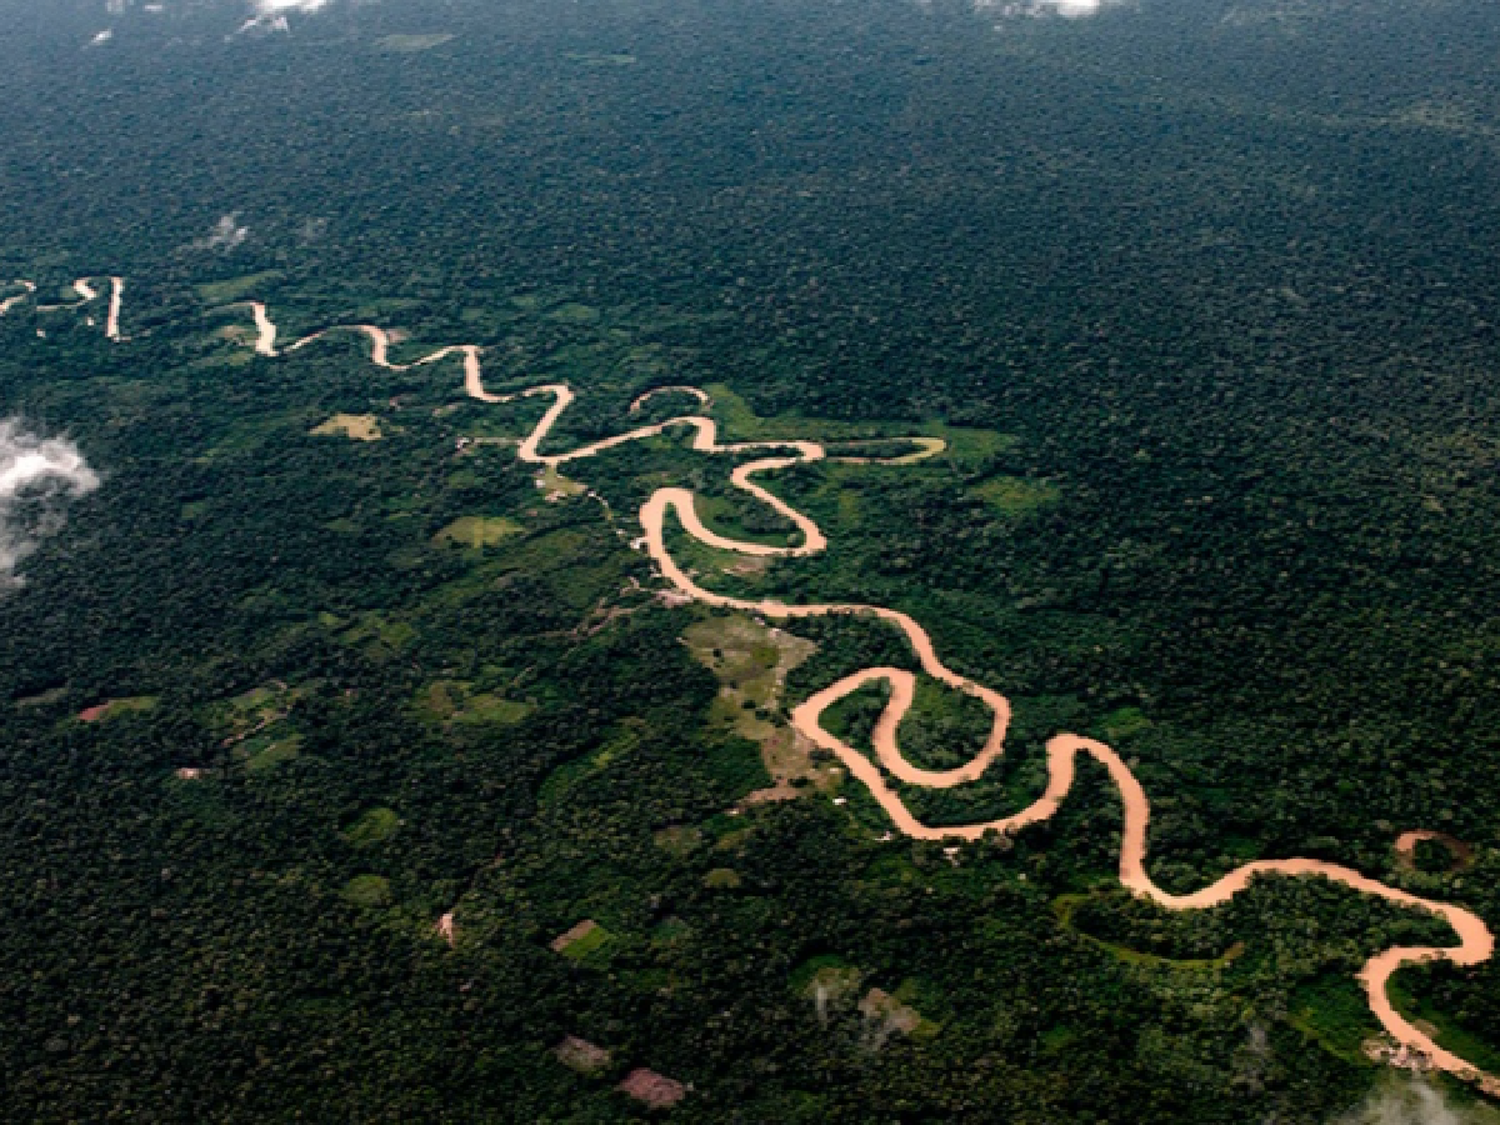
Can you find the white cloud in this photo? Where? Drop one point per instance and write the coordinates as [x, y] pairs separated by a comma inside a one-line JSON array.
[[274, 7], [37, 475], [271, 15], [227, 235], [1067, 9]]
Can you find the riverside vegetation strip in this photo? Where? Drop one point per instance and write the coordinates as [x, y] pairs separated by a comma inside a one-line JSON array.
[[1476, 943]]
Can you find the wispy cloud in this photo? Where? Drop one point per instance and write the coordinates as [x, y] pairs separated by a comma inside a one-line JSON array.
[[271, 15], [227, 235], [1401, 1101], [277, 7], [37, 477], [1067, 9]]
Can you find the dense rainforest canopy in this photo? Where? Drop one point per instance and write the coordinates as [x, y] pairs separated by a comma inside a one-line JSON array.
[[1199, 294]]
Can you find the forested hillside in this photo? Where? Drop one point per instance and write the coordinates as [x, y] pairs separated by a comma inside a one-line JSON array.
[[325, 717]]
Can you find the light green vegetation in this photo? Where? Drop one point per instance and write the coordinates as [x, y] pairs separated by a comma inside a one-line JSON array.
[[1124, 723], [43, 698], [722, 878], [1331, 1010], [360, 427], [1064, 906], [114, 708], [738, 421], [237, 288], [1442, 1027], [368, 891], [264, 753], [372, 631], [374, 826], [478, 531], [455, 701], [1016, 496], [584, 941], [251, 435], [751, 660], [572, 312], [623, 740], [557, 486], [678, 839]]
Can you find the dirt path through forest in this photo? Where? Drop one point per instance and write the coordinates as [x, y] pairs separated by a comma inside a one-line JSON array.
[[1476, 943], [87, 294]]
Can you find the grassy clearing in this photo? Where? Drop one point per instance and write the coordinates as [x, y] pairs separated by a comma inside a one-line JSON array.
[[236, 288], [374, 826], [739, 422], [454, 701], [752, 660], [478, 531], [368, 891], [556, 486], [967, 446], [489, 708], [374, 632], [1015, 497], [114, 708], [1124, 722], [360, 427], [266, 753], [584, 941], [582, 1056], [679, 839]]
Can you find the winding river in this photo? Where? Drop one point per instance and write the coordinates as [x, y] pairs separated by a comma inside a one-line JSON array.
[[1475, 941]]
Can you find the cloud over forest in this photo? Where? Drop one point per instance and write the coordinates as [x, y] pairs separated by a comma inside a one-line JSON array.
[[38, 476], [1412, 1101], [1067, 9]]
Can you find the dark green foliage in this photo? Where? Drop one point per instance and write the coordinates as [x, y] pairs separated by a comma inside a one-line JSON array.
[[1201, 297]]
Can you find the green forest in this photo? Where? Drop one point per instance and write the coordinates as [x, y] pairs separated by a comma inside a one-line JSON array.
[[327, 724]]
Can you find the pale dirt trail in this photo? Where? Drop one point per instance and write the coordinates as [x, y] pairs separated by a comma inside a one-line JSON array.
[[11, 302], [87, 294], [1476, 943]]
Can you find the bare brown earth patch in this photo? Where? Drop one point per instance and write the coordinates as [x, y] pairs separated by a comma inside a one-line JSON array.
[[654, 1090], [578, 935], [111, 708], [881, 1006]]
